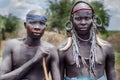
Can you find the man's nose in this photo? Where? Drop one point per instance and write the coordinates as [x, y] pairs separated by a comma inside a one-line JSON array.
[[83, 21], [37, 27]]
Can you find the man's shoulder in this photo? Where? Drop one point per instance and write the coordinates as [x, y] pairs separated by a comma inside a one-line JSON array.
[[13, 42], [52, 49], [47, 44], [61, 45], [108, 49], [64, 46], [103, 42], [106, 46]]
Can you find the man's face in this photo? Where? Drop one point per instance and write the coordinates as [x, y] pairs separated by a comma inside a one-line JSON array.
[[35, 29], [82, 21]]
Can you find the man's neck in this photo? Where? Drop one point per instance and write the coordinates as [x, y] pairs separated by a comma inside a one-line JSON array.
[[32, 42], [84, 37]]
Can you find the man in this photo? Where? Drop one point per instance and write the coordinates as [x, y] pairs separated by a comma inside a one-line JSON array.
[[22, 58], [85, 57]]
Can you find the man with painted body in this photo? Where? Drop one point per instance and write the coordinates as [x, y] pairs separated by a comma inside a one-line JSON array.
[[22, 57], [87, 57]]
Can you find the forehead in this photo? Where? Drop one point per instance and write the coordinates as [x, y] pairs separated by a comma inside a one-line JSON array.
[[81, 5], [30, 20], [83, 13]]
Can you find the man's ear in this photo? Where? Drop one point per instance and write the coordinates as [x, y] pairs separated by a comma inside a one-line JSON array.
[[25, 24]]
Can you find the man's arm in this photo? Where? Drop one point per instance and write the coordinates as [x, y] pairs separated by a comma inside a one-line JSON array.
[[61, 58], [6, 64], [6, 72], [61, 65], [110, 64], [55, 73], [15, 74]]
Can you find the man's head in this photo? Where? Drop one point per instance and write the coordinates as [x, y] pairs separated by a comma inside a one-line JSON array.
[[35, 23], [82, 16]]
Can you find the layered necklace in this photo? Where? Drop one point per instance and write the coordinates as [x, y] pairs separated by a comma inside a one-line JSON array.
[[77, 54]]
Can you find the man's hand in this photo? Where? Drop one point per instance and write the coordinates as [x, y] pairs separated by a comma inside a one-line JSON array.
[[41, 52]]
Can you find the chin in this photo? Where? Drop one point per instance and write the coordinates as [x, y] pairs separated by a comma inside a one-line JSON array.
[[36, 36], [83, 32]]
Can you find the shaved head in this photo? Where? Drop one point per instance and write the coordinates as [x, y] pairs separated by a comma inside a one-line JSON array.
[[37, 11], [36, 14]]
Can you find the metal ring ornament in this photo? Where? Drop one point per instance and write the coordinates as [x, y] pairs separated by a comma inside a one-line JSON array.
[[69, 35], [97, 21], [66, 25]]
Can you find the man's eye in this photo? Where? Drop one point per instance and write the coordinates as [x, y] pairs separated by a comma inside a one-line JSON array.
[[87, 18], [78, 19], [41, 23], [32, 22]]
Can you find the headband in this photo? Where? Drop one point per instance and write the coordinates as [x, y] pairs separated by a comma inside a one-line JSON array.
[[36, 17], [80, 9]]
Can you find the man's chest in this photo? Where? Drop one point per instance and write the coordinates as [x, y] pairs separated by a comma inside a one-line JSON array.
[[85, 53], [22, 54]]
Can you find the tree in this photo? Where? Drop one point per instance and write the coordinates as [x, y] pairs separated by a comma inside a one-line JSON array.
[[58, 13], [13, 21], [8, 24], [2, 27], [102, 14]]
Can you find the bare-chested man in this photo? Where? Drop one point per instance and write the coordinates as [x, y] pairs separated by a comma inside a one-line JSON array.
[[22, 57], [88, 57]]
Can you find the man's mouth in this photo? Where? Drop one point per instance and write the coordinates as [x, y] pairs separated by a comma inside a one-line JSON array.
[[37, 34], [83, 28]]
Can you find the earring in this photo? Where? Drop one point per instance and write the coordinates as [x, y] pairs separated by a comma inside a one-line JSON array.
[[69, 27], [97, 21]]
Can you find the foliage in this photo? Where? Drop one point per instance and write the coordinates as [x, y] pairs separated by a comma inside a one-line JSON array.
[[103, 14], [117, 65], [117, 58], [11, 23], [8, 24], [58, 13], [2, 22]]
